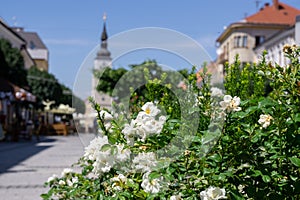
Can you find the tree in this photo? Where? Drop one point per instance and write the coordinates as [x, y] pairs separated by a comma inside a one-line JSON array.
[[44, 86], [115, 82], [78, 104], [12, 64], [72, 100]]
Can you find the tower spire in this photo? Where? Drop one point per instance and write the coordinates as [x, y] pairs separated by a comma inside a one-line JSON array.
[[104, 33], [104, 53]]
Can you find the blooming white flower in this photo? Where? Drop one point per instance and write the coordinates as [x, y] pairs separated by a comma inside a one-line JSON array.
[[106, 115], [144, 125], [150, 109], [151, 186], [260, 72], [66, 171], [61, 182], [57, 196], [119, 181], [94, 146], [103, 163], [51, 178], [119, 178], [152, 126], [265, 120], [213, 193], [216, 92], [129, 132], [144, 162], [241, 189], [123, 154], [175, 197], [72, 181], [231, 104]]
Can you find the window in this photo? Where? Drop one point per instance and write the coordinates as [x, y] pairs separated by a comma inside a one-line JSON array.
[[245, 40], [237, 41], [259, 39], [240, 41], [31, 45]]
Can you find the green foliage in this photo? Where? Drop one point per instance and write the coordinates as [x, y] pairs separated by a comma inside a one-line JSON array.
[[245, 81], [40, 83], [78, 104], [249, 147], [117, 82], [11, 64]]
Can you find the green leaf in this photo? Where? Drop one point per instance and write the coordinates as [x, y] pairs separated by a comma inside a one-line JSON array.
[[114, 150], [216, 158], [297, 117], [237, 196], [255, 138], [45, 196], [105, 147], [295, 161], [257, 173], [266, 178], [294, 178]]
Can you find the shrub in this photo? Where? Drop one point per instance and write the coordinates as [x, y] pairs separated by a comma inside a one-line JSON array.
[[204, 144]]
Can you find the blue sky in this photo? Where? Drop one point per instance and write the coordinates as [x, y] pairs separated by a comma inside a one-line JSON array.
[[71, 28]]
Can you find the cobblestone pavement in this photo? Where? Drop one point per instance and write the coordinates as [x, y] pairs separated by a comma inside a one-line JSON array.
[[26, 165]]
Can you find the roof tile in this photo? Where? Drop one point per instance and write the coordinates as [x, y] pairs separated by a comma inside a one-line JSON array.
[[284, 14]]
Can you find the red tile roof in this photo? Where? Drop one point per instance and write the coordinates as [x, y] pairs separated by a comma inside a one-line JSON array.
[[283, 14]]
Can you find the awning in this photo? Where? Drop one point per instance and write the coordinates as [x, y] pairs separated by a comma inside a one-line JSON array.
[[13, 92]]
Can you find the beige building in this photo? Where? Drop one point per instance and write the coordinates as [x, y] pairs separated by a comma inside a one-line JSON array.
[[247, 35], [36, 48]]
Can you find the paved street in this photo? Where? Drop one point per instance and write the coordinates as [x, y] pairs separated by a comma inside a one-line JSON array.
[[26, 165]]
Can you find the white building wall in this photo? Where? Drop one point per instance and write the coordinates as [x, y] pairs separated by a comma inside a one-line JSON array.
[[274, 47], [297, 30], [38, 53]]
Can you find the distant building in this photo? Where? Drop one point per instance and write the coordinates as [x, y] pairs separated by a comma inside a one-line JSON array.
[[101, 61], [250, 35], [17, 42], [36, 48], [274, 45]]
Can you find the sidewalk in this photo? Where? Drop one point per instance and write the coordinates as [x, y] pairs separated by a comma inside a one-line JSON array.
[[26, 165]]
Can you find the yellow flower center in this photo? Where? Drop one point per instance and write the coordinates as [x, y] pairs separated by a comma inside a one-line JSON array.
[[147, 111], [153, 182]]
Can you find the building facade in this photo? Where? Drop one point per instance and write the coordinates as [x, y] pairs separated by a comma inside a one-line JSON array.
[[36, 48], [274, 45], [248, 37]]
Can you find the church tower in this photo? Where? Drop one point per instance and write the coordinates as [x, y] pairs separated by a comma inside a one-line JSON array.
[[102, 61]]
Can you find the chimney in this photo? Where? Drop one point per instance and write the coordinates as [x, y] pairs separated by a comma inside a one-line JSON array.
[[276, 4], [297, 30]]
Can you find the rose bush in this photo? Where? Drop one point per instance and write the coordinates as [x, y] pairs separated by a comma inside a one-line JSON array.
[[246, 144]]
